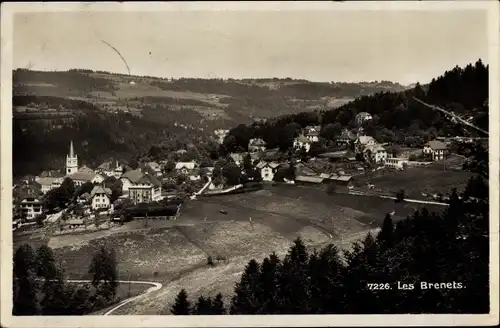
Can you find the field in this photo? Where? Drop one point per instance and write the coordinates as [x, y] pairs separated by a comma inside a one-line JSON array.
[[175, 252], [429, 180]]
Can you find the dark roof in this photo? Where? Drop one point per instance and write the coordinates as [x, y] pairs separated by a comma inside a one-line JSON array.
[[437, 145], [137, 176], [313, 179]]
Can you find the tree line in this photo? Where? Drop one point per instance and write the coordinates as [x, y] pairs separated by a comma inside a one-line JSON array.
[[383, 274], [397, 117], [41, 288]]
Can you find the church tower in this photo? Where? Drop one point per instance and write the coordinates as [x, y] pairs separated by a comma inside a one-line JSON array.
[[71, 161]]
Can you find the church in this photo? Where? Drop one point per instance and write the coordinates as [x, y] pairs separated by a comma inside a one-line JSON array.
[[79, 175]]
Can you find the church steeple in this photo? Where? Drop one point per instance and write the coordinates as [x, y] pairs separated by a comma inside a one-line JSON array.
[[71, 160]]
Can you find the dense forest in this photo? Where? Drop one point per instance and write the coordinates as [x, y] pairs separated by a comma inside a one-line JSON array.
[[397, 117], [96, 136], [394, 272]]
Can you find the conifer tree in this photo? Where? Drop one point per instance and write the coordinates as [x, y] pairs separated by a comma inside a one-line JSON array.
[[385, 236], [268, 284], [46, 263], [218, 305], [245, 300], [25, 299], [182, 305], [294, 281]]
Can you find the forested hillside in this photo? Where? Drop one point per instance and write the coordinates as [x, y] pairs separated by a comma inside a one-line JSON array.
[[43, 144], [123, 116], [397, 117]]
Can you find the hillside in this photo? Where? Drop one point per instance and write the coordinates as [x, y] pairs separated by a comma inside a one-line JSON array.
[[190, 101], [397, 117], [123, 116]]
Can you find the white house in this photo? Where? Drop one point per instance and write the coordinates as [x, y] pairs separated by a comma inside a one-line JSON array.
[[302, 142], [436, 149], [364, 141], [98, 178], [100, 198], [220, 135], [79, 178], [363, 117], [185, 167], [256, 145], [30, 207], [156, 168], [141, 187], [312, 135], [375, 153], [49, 183], [395, 162], [267, 170]]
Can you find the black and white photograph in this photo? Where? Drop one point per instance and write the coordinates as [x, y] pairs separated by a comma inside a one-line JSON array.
[[252, 163]]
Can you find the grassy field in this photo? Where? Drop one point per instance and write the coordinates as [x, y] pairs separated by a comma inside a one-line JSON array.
[[175, 252], [422, 180]]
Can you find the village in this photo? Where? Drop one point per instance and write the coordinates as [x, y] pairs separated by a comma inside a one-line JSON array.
[[103, 192]]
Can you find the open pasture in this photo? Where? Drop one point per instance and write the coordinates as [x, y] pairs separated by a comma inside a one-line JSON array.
[[421, 180]]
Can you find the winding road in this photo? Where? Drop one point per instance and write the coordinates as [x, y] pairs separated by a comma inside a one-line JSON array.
[[155, 286]]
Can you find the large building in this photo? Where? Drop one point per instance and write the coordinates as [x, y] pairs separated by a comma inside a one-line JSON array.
[[141, 187], [436, 150]]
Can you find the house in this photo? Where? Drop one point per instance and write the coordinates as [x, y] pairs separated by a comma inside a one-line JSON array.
[[435, 149], [80, 178], [375, 153], [30, 208], [346, 138], [362, 142], [302, 142], [336, 156], [237, 157], [363, 117], [86, 169], [220, 134], [256, 145], [268, 170], [141, 187], [156, 168], [84, 199], [185, 167], [100, 197], [49, 183], [308, 180], [395, 162], [312, 128], [216, 185], [74, 223], [312, 135]]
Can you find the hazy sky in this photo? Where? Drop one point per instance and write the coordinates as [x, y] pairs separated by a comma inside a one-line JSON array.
[[317, 45]]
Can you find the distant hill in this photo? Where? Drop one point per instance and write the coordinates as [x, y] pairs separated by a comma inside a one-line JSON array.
[[189, 100], [122, 116]]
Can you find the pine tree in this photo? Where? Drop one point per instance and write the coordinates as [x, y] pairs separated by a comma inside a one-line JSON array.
[[385, 236], [25, 298], [294, 281], [203, 306], [182, 305], [245, 300], [268, 285], [46, 263], [218, 305], [55, 299], [103, 270]]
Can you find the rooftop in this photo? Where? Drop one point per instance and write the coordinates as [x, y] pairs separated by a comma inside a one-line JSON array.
[[437, 145]]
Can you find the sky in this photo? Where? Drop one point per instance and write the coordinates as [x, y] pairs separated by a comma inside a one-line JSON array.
[[349, 46]]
